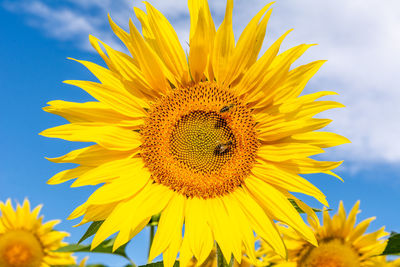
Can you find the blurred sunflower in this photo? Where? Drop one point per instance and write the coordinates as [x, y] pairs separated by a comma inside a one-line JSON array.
[[382, 261], [25, 241], [214, 141], [341, 242]]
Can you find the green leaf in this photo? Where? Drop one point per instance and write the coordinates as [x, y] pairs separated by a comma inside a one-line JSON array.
[[393, 245], [93, 228], [299, 210], [104, 247], [159, 264]]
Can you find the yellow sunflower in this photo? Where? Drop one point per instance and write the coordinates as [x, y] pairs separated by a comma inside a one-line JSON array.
[[213, 141], [25, 241], [342, 243]]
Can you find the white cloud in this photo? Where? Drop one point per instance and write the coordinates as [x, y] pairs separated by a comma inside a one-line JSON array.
[[359, 38]]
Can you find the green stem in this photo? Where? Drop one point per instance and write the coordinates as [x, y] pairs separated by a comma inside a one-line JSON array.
[[132, 263], [152, 232]]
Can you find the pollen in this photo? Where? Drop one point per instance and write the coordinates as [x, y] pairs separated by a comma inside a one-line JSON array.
[[199, 141]]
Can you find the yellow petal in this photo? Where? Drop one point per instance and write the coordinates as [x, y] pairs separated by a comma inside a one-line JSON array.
[[8, 218], [287, 180], [169, 255], [295, 108], [279, 206], [67, 175], [246, 231], [196, 7], [185, 254], [114, 96], [127, 233], [169, 227], [91, 112], [95, 213], [320, 139], [151, 65], [109, 137], [277, 74], [222, 228], [125, 38], [170, 49], [78, 212], [131, 213], [307, 165], [248, 45], [109, 171], [136, 83], [199, 48], [94, 155], [261, 223], [197, 231], [130, 181], [282, 152], [359, 230], [256, 73], [297, 80], [224, 44], [275, 131]]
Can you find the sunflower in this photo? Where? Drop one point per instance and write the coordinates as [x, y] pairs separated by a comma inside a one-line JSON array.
[[342, 243], [25, 241], [213, 141]]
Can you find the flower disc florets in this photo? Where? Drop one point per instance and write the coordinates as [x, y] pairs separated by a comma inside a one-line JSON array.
[[199, 141]]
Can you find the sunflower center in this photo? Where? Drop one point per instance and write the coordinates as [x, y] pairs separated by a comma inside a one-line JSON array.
[[202, 141], [20, 249], [199, 141], [332, 253]]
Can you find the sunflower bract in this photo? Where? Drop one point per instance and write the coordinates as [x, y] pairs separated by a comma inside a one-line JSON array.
[[214, 142]]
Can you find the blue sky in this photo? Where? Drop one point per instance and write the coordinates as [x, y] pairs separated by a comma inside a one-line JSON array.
[[360, 43]]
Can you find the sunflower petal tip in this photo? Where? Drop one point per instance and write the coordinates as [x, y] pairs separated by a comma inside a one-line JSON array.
[[115, 246], [92, 38], [50, 182], [347, 141], [313, 241], [67, 81], [324, 202]]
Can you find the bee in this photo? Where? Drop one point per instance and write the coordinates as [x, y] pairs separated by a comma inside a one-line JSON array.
[[223, 147], [226, 108]]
